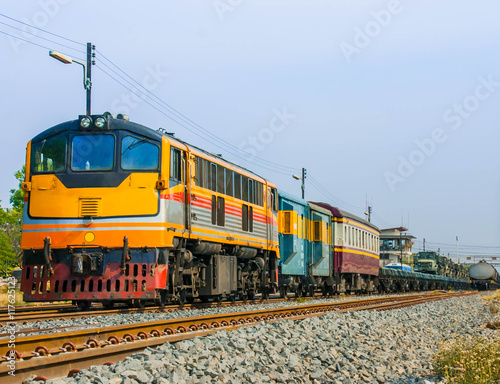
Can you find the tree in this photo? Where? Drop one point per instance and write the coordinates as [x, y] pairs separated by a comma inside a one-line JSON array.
[[11, 221], [17, 195], [7, 256]]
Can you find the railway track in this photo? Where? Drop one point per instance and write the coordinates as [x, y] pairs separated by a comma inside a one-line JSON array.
[[55, 354], [26, 314]]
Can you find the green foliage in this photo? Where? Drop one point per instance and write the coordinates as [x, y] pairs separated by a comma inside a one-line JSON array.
[[17, 195], [11, 224], [469, 360], [7, 254]]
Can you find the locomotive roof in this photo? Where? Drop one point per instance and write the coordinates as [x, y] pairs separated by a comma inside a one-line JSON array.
[[114, 124], [121, 124]]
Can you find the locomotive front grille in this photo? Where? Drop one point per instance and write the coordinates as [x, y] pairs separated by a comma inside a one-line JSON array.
[[89, 206]]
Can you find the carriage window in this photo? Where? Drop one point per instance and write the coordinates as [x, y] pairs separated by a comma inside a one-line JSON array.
[[206, 173], [229, 182], [251, 191], [275, 199], [244, 188], [50, 155], [175, 164], [139, 154], [199, 171], [213, 177], [220, 179], [93, 153], [237, 185]]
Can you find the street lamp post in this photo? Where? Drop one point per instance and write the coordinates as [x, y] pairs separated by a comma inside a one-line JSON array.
[[87, 83], [303, 178]]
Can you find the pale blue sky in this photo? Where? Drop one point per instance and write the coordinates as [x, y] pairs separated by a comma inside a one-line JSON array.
[[360, 81]]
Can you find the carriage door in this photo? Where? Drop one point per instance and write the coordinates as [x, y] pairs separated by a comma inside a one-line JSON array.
[[178, 210], [272, 213], [187, 172]]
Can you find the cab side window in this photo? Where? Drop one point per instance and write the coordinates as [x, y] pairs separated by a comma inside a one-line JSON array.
[[175, 167]]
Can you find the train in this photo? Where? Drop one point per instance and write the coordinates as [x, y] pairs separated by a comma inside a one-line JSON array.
[[484, 276], [116, 212]]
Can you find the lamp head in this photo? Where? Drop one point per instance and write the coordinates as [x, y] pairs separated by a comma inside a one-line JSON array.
[[59, 56]]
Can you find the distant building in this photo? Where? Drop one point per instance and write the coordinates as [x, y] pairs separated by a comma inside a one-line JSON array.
[[395, 246]]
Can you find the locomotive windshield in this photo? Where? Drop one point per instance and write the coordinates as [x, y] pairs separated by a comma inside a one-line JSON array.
[[139, 154], [92, 153], [95, 152], [50, 155]]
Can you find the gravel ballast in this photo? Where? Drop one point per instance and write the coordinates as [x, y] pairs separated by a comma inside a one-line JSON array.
[[355, 347]]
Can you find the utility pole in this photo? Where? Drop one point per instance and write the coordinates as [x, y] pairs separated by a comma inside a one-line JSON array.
[[303, 178], [368, 212], [90, 62], [401, 247], [458, 261], [424, 244], [87, 84], [303, 183]]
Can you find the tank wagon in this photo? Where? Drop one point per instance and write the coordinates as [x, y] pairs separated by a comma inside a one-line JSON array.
[[117, 212], [484, 276]]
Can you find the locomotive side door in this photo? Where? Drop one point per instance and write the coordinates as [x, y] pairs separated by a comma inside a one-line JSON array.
[[188, 173], [272, 211], [179, 188]]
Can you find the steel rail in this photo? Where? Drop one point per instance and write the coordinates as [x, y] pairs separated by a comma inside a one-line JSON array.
[[63, 313], [49, 354]]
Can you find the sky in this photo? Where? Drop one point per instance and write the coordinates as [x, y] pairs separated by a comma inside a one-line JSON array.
[[390, 102]]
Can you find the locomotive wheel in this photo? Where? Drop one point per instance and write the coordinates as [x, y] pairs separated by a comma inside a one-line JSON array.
[[311, 291], [232, 298], [182, 297], [84, 305], [243, 297], [251, 295], [283, 292], [161, 301], [138, 303], [108, 304]]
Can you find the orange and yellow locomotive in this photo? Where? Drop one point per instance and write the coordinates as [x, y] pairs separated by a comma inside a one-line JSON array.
[[117, 212]]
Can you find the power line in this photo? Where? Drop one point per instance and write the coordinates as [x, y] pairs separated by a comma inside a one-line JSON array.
[[32, 43], [315, 184], [184, 126], [43, 38], [318, 185], [464, 246], [40, 29], [226, 146], [223, 143]]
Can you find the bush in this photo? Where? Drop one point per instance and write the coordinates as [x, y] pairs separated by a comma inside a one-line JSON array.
[[469, 360]]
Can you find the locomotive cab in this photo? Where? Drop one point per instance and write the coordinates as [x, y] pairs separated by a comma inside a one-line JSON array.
[[83, 178]]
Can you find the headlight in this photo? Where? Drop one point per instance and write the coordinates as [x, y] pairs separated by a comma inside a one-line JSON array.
[[100, 122], [85, 122]]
